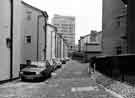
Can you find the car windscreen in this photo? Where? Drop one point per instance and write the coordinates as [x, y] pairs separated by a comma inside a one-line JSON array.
[[38, 64], [32, 65]]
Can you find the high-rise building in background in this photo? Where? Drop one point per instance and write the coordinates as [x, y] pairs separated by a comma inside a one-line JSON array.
[[66, 26]]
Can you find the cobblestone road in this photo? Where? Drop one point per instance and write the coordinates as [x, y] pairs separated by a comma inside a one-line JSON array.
[[71, 81]]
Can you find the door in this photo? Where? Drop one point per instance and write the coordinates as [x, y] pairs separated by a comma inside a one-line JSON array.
[[41, 39], [5, 39]]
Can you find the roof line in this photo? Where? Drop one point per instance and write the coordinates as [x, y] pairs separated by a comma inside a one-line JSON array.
[[33, 7]]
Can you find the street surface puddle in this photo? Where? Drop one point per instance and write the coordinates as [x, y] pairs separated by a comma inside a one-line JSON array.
[[82, 89]]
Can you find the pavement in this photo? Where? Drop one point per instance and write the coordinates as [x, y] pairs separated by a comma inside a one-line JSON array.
[[71, 81]]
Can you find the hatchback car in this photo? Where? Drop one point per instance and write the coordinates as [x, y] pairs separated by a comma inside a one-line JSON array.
[[36, 71], [52, 64], [67, 58], [63, 61], [57, 62]]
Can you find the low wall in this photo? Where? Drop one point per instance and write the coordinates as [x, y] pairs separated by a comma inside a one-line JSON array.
[[122, 64]]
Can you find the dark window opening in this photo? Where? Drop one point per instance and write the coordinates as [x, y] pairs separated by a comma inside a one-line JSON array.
[[29, 17], [28, 39], [28, 62], [118, 50], [71, 47]]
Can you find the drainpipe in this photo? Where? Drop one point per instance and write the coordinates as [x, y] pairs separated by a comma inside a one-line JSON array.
[[11, 39], [45, 29]]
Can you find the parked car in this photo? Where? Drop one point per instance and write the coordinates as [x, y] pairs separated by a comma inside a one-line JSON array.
[[67, 58], [36, 71], [57, 62], [63, 61], [52, 64]]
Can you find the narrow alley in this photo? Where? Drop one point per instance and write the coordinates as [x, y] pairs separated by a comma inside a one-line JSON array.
[[71, 81]]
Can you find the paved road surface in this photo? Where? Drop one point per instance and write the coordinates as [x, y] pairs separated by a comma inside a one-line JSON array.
[[71, 81]]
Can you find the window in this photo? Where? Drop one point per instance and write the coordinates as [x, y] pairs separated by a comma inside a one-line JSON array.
[[118, 23], [29, 15], [28, 39], [28, 62], [118, 50]]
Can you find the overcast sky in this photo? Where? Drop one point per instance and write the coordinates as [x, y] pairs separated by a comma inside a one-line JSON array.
[[88, 13]]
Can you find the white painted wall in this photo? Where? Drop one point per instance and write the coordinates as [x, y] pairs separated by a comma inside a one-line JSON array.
[[65, 51], [58, 45], [4, 33], [17, 57], [50, 50], [53, 44], [62, 52], [30, 28], [5, 19], [41, 41]]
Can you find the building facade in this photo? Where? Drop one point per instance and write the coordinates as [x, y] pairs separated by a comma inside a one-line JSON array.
[[66, 27], [91, 44], [130, 36], [33, 33], [50, 41], [61, 49], [58, 46], [131, 25], [114, 27], [65, 50], [10, 39]]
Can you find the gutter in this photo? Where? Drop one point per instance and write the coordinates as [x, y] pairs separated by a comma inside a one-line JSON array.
[[11, 37], [45, 30]]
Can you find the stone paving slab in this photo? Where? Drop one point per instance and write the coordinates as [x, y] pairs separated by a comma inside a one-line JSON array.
[[54, 88]]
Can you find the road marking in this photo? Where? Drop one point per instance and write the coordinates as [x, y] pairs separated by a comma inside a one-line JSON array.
[[81, 89]]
